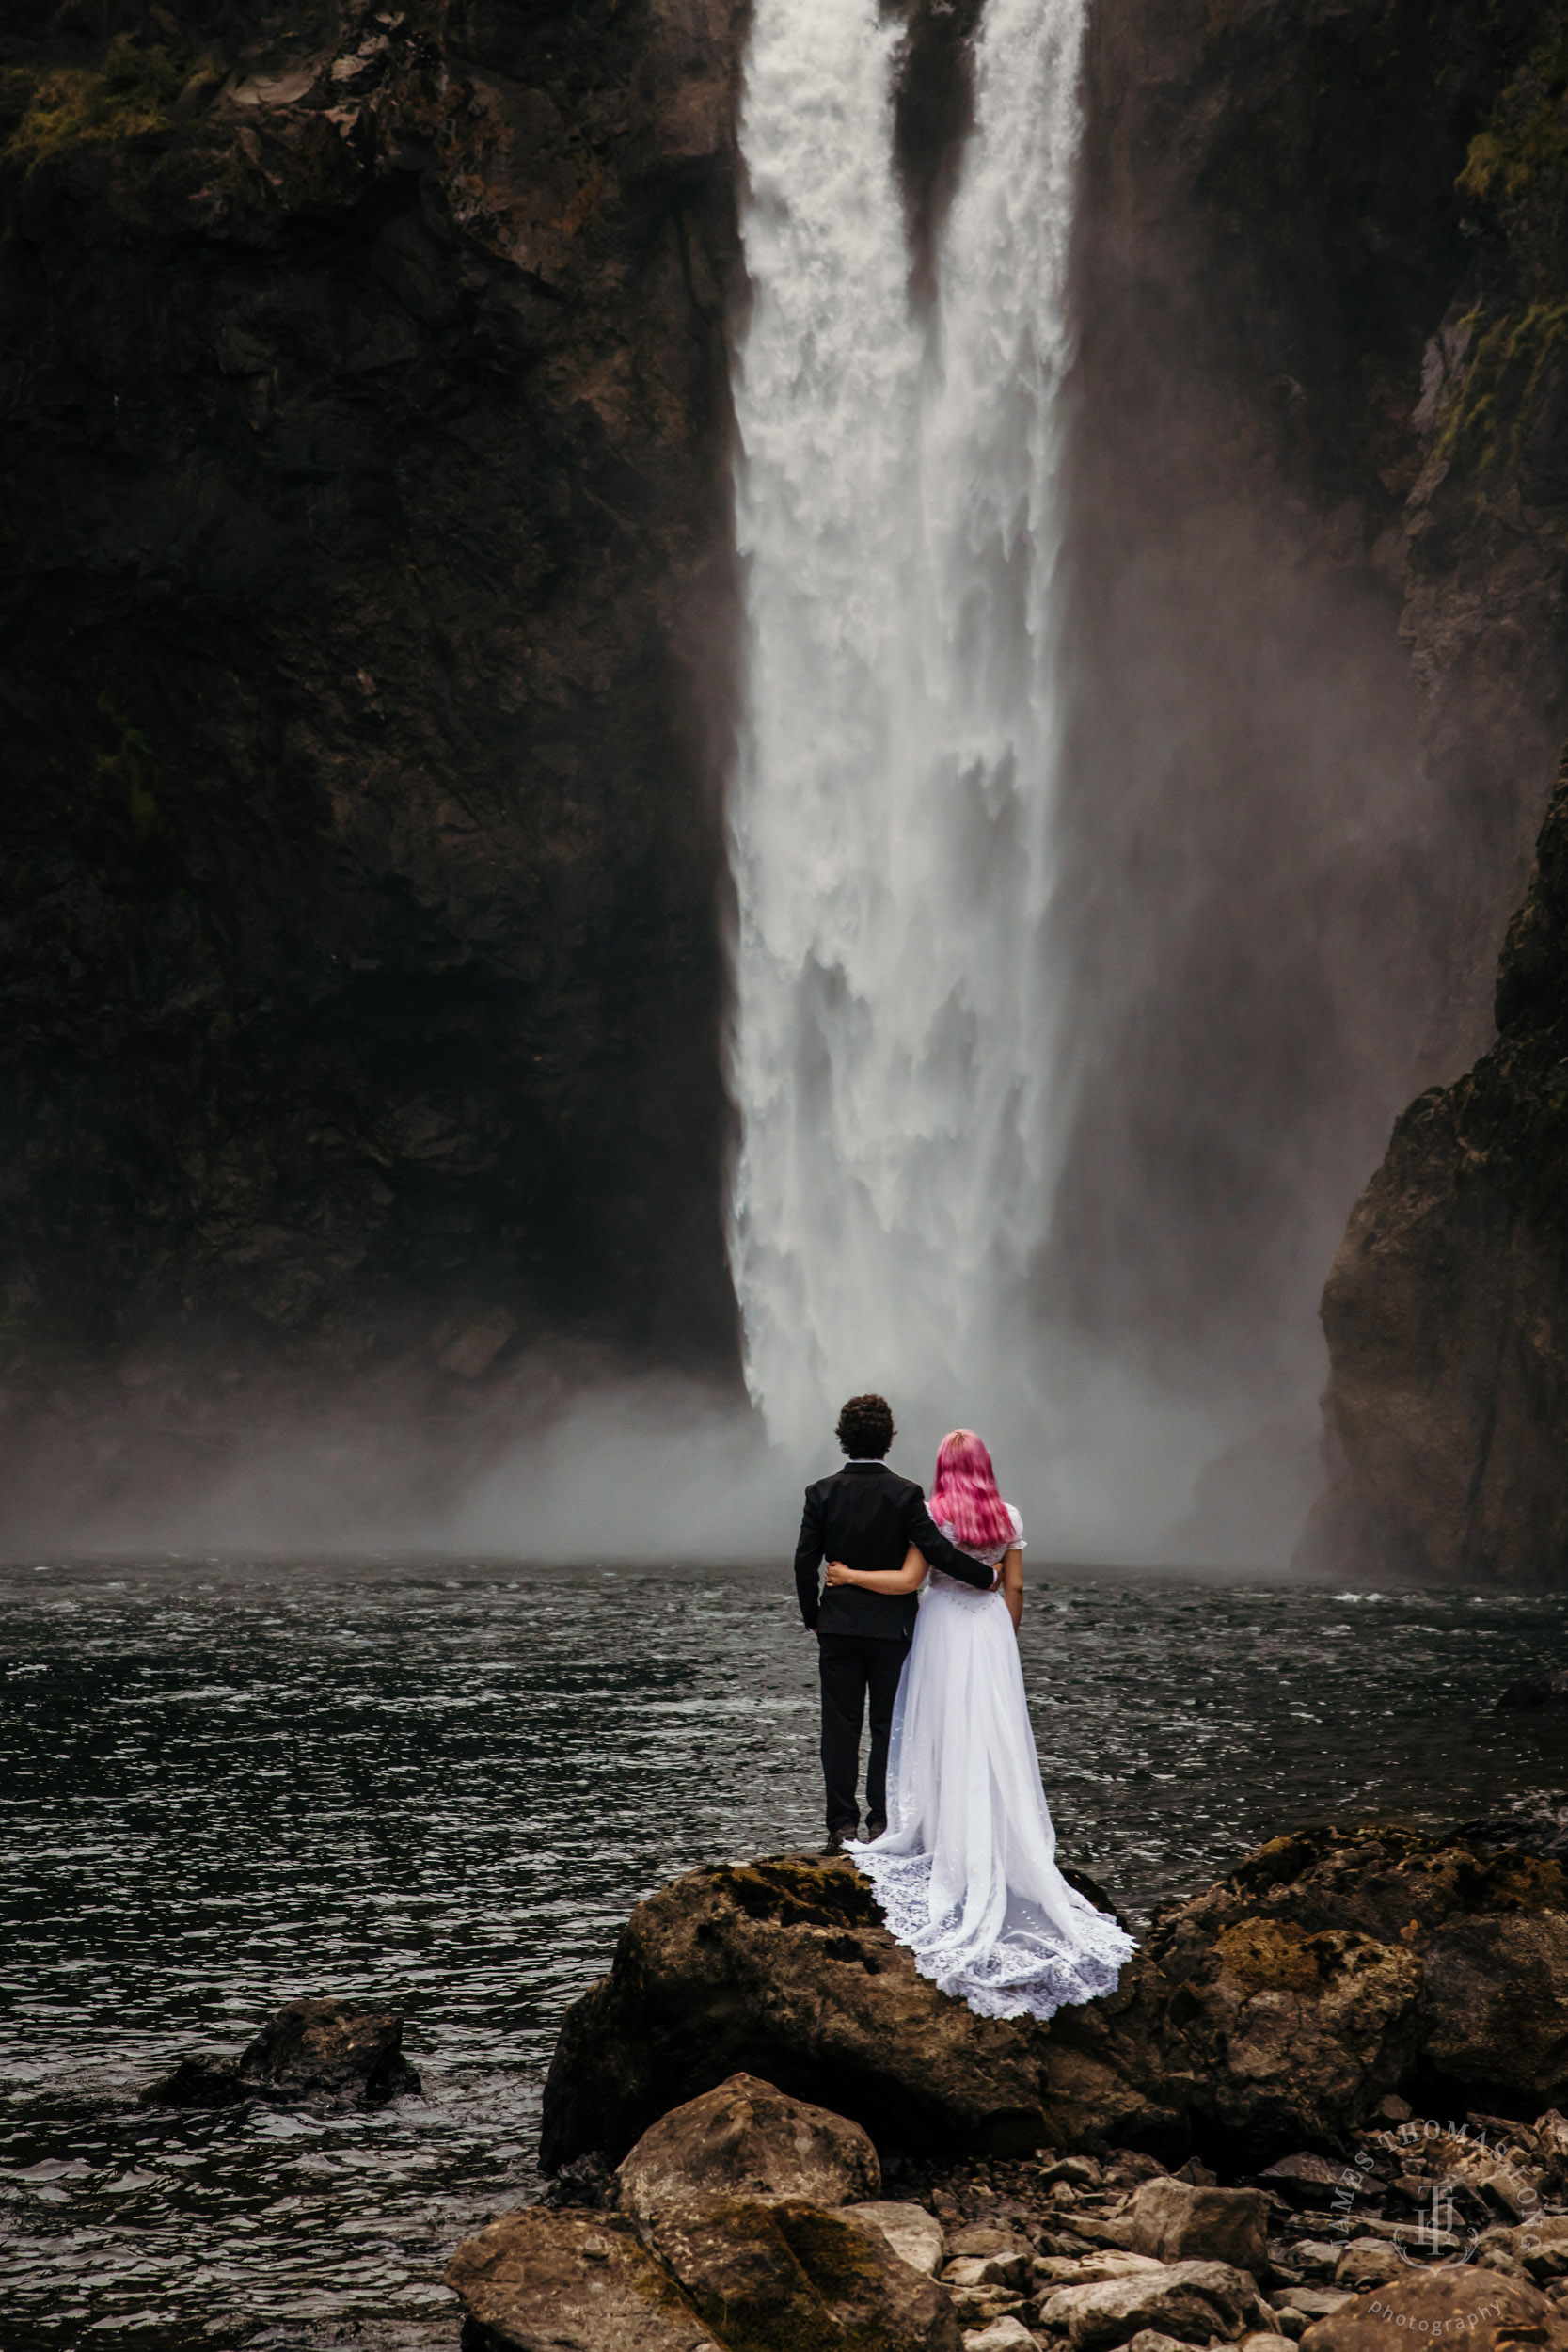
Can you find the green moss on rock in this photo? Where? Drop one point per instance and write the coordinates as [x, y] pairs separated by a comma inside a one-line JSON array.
[[132, 95], [131, 768], [1511, 365]]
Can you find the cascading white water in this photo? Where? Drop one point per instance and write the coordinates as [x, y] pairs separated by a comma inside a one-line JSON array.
[[891, 817]]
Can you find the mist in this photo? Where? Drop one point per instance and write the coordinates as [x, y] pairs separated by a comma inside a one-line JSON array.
[[1275, 914], [579, 1461]]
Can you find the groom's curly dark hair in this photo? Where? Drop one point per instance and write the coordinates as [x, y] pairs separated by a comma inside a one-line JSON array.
[[866, 1429]]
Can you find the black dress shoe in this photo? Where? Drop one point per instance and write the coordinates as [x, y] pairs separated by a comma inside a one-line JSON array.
[[875, 1829], [836, 1840]]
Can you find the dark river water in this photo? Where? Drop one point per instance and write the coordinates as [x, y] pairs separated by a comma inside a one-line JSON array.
[[443, 1786]]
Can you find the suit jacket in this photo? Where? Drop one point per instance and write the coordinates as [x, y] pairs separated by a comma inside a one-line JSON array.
[[868, 1517]]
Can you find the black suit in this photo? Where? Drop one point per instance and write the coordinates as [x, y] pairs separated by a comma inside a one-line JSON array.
[[868, 1517]]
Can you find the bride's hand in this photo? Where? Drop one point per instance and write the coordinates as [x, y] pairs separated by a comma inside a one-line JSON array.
[[836, 1573]]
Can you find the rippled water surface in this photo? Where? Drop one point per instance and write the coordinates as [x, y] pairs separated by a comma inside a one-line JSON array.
[[444, 1786]]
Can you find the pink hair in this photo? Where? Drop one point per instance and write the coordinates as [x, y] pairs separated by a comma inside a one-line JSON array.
[[965, 1497]]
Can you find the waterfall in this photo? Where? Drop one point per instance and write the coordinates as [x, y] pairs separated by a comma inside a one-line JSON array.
[[892, 817]]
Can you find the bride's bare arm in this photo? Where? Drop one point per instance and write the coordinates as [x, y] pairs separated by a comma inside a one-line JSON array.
[[1012, 1584], [909, 1579]]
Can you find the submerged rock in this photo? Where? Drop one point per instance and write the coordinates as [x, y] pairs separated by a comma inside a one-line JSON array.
[[332, 2050], [312, 2049], [1547, 1690], [197, 2083]]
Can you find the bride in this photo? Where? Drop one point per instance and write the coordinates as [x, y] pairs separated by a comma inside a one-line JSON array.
[[966, 1869]]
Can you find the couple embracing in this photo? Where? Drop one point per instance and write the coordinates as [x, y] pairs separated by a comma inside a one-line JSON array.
[[920, 1618]]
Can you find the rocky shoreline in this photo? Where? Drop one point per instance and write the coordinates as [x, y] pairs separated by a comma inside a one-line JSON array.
[[1319, 2106], [748, 2219]]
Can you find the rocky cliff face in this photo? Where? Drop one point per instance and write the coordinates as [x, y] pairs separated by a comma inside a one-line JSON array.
[[1316, 485], [1265, 883], [366, 625], [1447, 1310]]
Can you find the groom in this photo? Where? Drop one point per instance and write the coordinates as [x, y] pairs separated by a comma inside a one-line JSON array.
[[866, 1517]]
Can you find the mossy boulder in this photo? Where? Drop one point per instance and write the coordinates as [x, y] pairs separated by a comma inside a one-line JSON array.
[[1275, 2010], [747, 2141], [783, 1968], [1335, 1964], [791, 2277], [536, 2277]]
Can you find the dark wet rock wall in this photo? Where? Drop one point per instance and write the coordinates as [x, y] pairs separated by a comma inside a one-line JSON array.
[[1312, 688], [367, 620], [1446, 1312]]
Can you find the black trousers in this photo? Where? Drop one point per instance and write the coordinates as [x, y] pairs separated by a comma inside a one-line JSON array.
[[855, 1666]]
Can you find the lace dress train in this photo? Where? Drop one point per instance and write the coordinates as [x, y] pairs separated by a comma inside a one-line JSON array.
[[966, 1870]]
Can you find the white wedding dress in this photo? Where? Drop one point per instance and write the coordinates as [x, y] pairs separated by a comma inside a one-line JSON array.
[[966, 1870]]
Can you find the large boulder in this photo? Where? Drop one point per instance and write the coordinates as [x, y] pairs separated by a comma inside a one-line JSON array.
[[725, 2213], [768, 2277], [1277, 2010], [745, 2141], [539, 2278], [1286, 2035], [1460, 2302], [1477, 1931], [783, 1968]]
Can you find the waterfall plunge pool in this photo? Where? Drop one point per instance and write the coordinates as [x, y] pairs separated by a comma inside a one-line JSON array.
[[443, 1784]]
